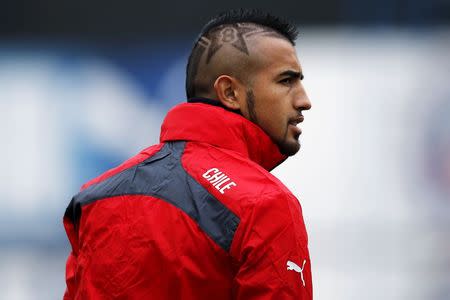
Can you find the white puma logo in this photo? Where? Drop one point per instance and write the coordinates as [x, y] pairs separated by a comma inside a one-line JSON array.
[[291, 266]]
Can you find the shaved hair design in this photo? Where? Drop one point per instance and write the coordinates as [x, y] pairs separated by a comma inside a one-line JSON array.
[[223, 47]]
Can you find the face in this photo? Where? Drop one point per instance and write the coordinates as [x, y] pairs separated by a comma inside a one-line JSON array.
[[275, 97]]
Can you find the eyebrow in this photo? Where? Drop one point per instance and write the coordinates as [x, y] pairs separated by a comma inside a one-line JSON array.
[[292, 74]]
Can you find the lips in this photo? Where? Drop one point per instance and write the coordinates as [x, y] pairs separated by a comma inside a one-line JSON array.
[[295, 121]]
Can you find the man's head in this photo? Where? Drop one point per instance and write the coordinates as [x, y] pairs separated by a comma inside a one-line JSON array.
[[246, 60]]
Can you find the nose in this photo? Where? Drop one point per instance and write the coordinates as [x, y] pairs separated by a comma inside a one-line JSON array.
[[302, 101]]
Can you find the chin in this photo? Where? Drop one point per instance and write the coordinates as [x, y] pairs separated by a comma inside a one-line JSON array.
[[289, 148]]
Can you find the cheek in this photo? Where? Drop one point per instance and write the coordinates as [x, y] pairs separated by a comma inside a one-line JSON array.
[[277, 106], [271, 109], [270, 102], [273, 118]]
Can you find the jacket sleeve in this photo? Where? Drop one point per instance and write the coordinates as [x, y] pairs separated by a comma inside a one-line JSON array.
[[270, 248], [70, 277], [71, 263]]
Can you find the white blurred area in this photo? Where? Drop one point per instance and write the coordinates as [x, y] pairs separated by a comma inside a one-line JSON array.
[[377, 135], [56, 118], [379, 225]]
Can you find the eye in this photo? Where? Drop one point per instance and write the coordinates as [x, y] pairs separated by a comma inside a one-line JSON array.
[[287, 81]]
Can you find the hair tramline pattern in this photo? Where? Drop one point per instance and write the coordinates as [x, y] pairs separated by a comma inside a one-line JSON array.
[[231, 29], [234, 35]]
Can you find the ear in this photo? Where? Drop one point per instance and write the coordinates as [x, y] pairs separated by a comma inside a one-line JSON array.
[[229, 91]]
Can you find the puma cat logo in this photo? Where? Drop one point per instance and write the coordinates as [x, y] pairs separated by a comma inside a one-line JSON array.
[[291, 266]]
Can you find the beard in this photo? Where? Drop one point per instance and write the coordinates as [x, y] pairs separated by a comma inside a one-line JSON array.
[[251, 106], [285, 146]]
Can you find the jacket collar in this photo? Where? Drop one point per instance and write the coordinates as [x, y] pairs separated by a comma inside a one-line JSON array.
[[200, 121]]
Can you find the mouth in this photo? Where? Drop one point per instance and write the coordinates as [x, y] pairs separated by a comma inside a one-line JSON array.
[[295, 121]]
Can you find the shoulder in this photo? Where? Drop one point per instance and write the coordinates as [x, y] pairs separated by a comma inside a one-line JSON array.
[[140, 157], [235, 180], [261, 201]]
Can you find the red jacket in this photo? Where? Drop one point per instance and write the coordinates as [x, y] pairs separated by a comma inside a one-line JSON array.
[[197, 216]]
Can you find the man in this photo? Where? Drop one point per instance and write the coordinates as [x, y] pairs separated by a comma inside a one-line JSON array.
[[199, 216]]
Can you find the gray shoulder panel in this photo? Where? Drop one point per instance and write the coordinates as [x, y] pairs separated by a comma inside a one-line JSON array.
[[162, 176]]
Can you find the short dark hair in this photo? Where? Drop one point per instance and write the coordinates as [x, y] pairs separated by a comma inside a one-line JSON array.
[[234, 16]]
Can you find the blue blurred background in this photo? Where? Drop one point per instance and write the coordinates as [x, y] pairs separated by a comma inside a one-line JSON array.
[[83, 86]]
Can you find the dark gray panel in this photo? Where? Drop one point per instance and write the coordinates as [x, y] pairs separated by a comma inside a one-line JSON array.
[[162, 176]]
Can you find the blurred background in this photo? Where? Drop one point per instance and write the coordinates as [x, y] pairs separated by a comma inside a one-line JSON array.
[[84, 85]]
